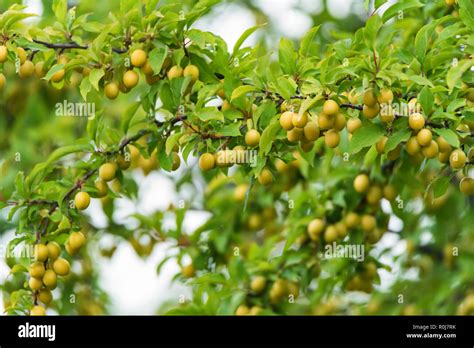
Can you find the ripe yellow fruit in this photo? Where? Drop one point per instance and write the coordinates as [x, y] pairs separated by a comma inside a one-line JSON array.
[[466, 186], [387, 114], [395, 153], [111, 90], [61, 267], [361, 183], [82, 200], [138, 58], [443, 145], [325, 121], [41, 252], [188, 271], [457, 159], [352, 220], [371, 111], [277, 291], [147, 69], [353, 124], [430, 151], [240, 192], [315, 228], [300, 120], [252, 138], [45, 296], [21, 54], [443, 157], [368, 223], [380, 145], [130, 79], [265, 177], [193, 71], [102, 188], [62, 59], [3, 53], [36, 269], [255, 310], [258, 284], [341, 229], [330, 107], [39, 69], [416, 121], [450, 2], [107, 171], [76, 240], [54, 250], [124, 161], [242, 310], [330, 234], [286, 120], [332, 138], [311, 131], [339, 122], [470, 95], [295, 134], [254, 222], [389, 192], [412, 146], [369, 98], [58, 75], [38, 311], [385, 97], [35, 283], [207, 161], [175, 72], [374, 195], [2, 81], [176, 161], [424, 137], [50, 280], [26, 69]]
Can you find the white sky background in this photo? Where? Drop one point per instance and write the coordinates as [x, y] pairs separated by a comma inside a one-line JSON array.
[[132, 283]]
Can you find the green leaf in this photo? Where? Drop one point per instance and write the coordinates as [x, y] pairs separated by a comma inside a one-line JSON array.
[[448, 134], [396, 138], [242, 90], [53, 71], [172, 141], [466, 12], [286, 87], [365, 136], [268, 136], [308, 104], [60, 10], [287, 56], [456, 104], [439, 186], [422, 40], [157, 56], [455, 73], [426, 99], [420, 80], [307, 41], [230, 130], [244, 37], [372, 27], [399, 7], [210, 113], [128, 115], [85, 88], [95, 76]]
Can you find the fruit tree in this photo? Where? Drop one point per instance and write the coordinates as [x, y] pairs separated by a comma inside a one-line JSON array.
[[360, 144]]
